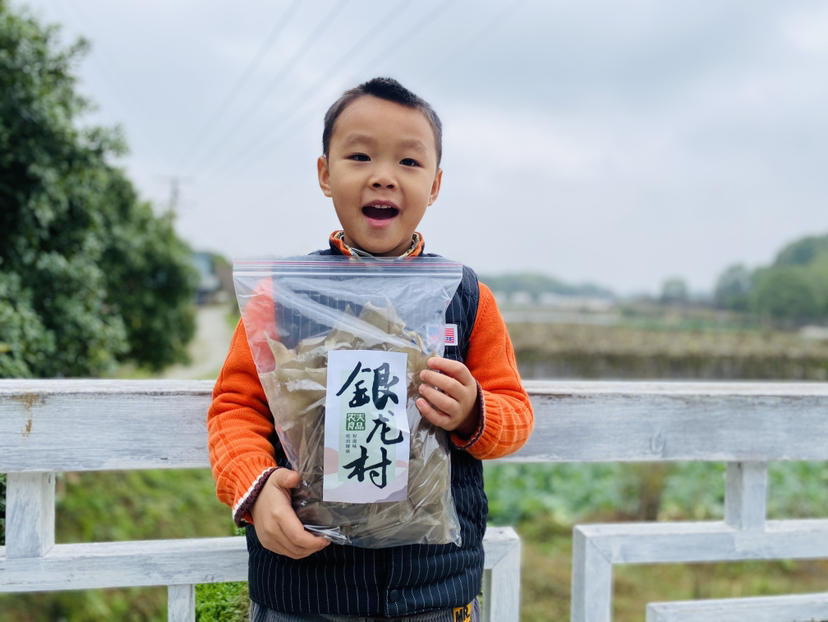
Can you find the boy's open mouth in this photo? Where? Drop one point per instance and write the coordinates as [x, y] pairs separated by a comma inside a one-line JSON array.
[[380, 212]]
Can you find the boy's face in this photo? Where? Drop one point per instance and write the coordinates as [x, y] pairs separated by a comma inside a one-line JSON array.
[[381, 172]]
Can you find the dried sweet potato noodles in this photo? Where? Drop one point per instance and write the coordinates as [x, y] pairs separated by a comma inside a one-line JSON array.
[[298, 310]]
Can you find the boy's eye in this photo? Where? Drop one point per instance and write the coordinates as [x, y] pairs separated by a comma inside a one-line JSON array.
[[409, 162], [359, 157]]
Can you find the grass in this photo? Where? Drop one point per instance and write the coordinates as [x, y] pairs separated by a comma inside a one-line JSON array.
[[222, 602]]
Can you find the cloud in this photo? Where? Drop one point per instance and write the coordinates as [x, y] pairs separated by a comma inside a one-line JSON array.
[[620, 143], [808, 29]]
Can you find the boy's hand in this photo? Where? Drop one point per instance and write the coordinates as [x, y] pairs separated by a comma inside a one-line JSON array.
[[449, 396], [277, 526]]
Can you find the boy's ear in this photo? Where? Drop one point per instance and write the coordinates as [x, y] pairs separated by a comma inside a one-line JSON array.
[[435, 187], [324, 175]]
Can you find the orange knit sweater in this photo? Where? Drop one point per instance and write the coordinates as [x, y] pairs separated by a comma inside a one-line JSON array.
[[240, 427]]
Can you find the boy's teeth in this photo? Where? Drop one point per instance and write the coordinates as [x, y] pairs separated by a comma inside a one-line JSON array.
[[380, 211]]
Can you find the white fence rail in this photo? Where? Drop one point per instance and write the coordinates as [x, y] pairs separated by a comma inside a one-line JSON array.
[[761, 609], [52, 426]]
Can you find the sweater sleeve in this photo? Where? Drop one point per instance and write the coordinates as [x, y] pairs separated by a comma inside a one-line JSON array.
[[240, 431], [506, 417]]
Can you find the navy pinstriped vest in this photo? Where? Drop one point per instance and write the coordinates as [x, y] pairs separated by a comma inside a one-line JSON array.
[[396, 581]]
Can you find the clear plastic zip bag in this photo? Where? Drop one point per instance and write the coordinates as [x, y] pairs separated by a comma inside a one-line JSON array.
[[339, 344]]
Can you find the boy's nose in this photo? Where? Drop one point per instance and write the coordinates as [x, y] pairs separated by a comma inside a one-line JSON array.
[[382, 178]]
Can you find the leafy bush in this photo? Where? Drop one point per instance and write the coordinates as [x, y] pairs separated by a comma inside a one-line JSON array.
[[221, 602], [569, 493]]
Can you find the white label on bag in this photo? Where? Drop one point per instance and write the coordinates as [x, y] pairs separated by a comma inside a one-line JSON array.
[[367, 439]]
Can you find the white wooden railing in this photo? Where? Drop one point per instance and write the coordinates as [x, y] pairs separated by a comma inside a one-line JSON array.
[[51, 426]]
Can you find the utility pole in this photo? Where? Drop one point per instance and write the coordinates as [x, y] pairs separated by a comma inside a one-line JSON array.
[[175, 182]]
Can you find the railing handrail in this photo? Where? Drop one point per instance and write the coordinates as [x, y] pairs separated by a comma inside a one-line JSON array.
[[49, 426], [82, 425]]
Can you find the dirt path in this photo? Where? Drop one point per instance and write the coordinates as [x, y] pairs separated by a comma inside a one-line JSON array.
[[209, 346]]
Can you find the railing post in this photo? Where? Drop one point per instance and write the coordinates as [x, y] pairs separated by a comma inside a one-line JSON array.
[[181, 603], [591, 581], [30, 514], [746, 493], [501, 576]]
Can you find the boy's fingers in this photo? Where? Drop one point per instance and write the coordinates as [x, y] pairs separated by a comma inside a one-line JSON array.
[[452, 377], [290, 538], [443, 382], [284, 478], [436, 416], [449, 395], [282, 544], [298, 542], [283, 532], [439, 400], [455, 369], [431, 415]]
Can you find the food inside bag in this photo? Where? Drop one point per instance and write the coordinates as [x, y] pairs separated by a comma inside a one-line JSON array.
[[339, 344]]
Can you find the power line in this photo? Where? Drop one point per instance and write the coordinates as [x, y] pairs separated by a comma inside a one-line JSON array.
[[286, 67], [344, 59], [115, 86], [311, 112], [237, 86], [472, 41]]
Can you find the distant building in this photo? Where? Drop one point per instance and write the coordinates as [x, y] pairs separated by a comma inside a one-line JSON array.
[[576, 303], [521, 298], [814, 333], [208, 282]]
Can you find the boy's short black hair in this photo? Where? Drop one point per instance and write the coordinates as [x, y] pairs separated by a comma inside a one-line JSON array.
[[390, 90]]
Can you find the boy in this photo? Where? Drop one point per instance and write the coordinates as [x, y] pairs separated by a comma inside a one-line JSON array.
[[381, 167]]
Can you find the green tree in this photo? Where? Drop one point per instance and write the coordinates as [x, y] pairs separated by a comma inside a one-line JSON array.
[[150, 279], [793, 289], [803, 252], [88, 276], [785, 293], [536, 284], [810, 255], [674, 291], [818, 274], [733, 288]]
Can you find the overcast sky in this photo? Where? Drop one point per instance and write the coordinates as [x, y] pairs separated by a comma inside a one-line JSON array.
[[621, 143]]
